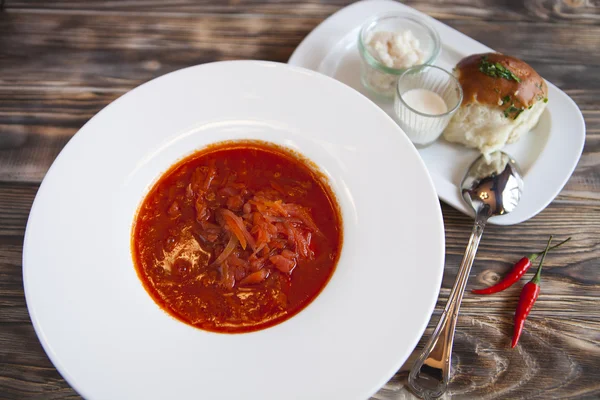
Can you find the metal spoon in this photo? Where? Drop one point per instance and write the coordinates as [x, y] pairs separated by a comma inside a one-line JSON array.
[[492, 186]]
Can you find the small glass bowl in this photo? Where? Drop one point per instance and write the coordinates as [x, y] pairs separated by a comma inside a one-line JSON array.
[[375, 75], [422, 128]]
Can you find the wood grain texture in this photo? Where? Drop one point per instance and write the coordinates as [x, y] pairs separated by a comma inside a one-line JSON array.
[[62, 61], [553, 10]]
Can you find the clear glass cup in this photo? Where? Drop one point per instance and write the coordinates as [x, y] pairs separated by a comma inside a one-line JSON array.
[[423, 127], [376, 76]]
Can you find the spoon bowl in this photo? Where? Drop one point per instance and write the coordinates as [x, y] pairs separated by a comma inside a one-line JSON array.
[[494, 182], [492, 186]]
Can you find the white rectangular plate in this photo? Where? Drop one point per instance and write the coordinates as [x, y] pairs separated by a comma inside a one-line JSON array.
[[547, 155]]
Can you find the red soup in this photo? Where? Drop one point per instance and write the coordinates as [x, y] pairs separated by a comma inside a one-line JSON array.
[[237, 237]]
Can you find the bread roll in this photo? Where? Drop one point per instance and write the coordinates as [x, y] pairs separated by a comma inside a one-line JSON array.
[[503, 98]]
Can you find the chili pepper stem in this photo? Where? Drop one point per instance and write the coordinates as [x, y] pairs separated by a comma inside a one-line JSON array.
[[536, 277], [533, 256]]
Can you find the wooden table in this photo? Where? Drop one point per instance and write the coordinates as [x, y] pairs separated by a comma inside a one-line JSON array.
[[62, 61]]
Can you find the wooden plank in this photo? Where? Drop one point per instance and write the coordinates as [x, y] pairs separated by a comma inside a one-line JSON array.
[[154, 7], [27, 373], [531, 10], [112, 52], [12, 300], [36, 124], [11, 283], [15, 203]]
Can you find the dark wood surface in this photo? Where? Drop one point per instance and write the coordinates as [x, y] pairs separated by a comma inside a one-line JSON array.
[[62, 61]]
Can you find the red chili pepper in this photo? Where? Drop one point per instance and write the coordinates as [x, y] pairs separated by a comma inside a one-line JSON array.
[[515, 273], [529, 295]]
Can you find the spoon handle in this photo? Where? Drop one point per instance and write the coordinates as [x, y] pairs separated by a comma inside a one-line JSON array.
[[430, 374]]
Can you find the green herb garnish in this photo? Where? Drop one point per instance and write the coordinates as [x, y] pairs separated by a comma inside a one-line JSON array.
[[518, 113], [505, 99], [512, 109], [545, 100], [496, 70]]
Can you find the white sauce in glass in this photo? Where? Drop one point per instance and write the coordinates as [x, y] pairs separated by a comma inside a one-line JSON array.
[[425, 101], [425, 117]]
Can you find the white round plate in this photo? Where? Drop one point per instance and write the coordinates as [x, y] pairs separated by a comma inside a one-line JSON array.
[[109, 339]]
